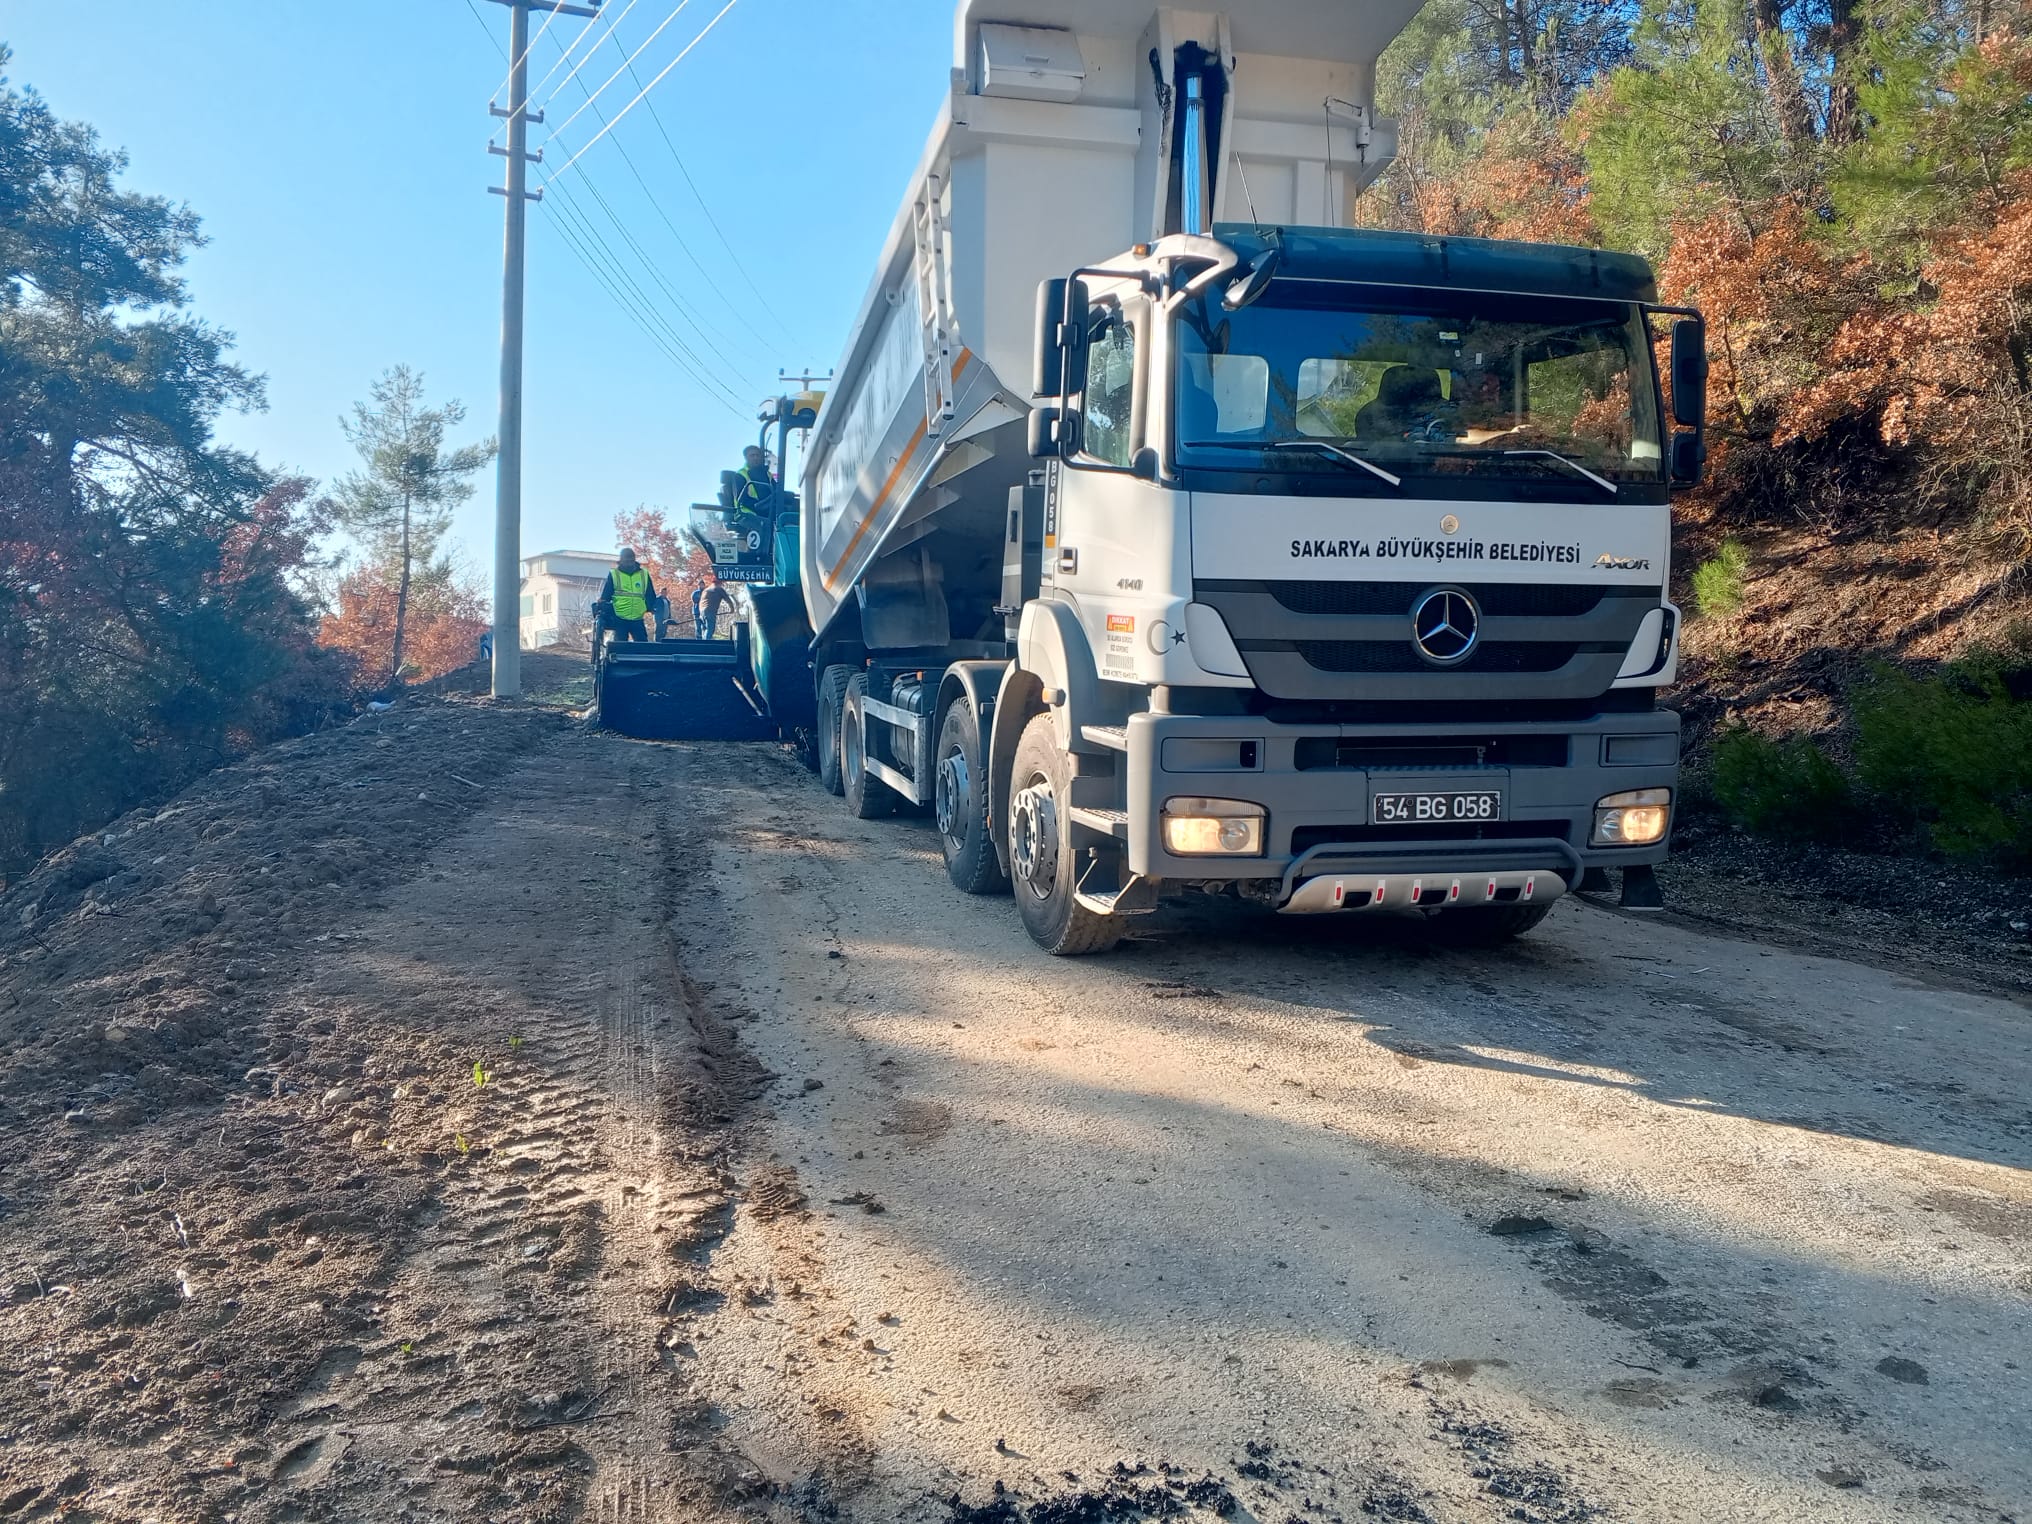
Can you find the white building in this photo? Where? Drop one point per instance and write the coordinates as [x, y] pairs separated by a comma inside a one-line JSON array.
[[559, 590]]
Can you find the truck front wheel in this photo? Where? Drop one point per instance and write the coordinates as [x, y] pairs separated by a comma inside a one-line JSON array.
[[1041, 853], [960, 800]]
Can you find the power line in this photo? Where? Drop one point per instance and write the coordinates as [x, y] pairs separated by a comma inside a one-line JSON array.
[[586, 258], [549, 21], [601, 262], [662, 27], [711, 221], [676, 300], [675, 232], [708, 335], [613, 35], [623, 114], [573, 46], [642, 302], [491, 38]]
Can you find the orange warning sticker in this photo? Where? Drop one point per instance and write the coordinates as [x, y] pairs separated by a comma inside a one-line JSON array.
[[1121, 624]]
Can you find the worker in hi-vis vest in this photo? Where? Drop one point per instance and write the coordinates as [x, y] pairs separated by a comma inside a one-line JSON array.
[[758, 487], [625, 601]]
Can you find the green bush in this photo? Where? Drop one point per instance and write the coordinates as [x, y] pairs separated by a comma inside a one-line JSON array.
[[1718, 583], [1952, 754], [1786, 789]]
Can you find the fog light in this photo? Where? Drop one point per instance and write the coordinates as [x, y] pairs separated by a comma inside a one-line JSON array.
[[1638, 819], [1213, 828]]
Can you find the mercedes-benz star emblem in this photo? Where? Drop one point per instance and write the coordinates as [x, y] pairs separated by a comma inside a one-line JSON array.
[[1446, 626]]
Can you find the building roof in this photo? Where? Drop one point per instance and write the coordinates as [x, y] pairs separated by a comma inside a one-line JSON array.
[[570, 565]]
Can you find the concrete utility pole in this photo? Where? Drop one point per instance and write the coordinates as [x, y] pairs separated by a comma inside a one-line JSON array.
[[514, 264]]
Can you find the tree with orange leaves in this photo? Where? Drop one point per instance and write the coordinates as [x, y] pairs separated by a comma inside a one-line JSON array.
[[444, 617]]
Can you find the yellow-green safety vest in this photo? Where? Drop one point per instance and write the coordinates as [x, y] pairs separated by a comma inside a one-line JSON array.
[[631, 594], [756, 491]]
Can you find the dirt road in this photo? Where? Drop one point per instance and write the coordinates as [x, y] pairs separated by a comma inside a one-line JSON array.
[[642, 1139]]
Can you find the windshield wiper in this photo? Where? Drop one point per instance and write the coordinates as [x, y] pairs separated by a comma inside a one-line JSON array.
[[1339, 452], [1317, 446], [1572, 465]]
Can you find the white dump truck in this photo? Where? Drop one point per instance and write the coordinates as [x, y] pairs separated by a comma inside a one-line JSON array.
[[1164, 532]]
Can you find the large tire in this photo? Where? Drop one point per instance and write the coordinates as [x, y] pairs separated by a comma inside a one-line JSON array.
[[832, 700], [1485, 925], [868, 797], [1041, 849], [960, 805]]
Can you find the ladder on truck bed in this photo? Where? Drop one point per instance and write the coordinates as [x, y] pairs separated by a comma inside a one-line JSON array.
[[933, 297]]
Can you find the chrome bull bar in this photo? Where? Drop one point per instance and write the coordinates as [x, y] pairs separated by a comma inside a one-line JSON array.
[[1458, 875]]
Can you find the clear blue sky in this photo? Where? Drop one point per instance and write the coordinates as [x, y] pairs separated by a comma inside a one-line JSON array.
[[336, 152]]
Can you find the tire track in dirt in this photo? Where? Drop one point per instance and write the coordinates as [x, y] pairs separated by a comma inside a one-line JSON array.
[[564, 1234]]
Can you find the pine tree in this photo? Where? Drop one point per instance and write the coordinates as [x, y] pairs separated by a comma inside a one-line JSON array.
[[400, 506], [148, 623]]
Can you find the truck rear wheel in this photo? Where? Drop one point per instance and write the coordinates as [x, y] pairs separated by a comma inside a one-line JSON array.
[[867, 796], [960, 803], [1041, 850], [832, 699]]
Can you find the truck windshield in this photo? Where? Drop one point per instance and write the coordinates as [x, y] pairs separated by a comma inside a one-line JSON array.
[[1435, 385]]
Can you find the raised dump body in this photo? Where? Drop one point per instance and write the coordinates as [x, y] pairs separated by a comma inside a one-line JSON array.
[[1061, 144]]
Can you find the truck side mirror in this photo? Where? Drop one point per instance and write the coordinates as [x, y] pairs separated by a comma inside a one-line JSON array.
[[1044, 433], [1689, 399], [1063, 343], [1048, 378], [1249, 288], [1061, 365], [1689, 373], [1075, 334], [1689, 457], [1056, 433]]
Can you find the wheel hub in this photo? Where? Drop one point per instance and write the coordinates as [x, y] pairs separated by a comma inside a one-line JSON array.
[[1033, 837], [953, 796], [850, 747]]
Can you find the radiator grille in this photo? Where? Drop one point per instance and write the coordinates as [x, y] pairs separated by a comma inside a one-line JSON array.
[[1401, 656], [1498, 600]]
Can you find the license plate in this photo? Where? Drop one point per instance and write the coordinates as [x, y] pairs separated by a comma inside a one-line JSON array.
[[1438, 809]]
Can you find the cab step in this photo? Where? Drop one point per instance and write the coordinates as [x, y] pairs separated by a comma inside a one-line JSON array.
[[1113, 737], [1114, 823]]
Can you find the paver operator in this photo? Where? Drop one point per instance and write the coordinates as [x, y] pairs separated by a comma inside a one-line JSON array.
[[757, 494]]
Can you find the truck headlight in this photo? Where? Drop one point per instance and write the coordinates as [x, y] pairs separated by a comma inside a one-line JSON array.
[[1638, 819], [1213, 828]]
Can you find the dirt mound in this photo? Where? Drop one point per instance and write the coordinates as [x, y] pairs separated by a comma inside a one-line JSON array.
[[175, 1243], [131, 964]]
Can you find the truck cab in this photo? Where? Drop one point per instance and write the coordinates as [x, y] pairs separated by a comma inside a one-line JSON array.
[[1355, 557]]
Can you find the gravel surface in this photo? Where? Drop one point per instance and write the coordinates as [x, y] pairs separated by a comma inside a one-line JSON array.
[[462, 1117], [1625, 1221]]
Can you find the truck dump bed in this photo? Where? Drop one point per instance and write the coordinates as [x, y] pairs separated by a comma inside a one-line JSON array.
[[1055, 149]]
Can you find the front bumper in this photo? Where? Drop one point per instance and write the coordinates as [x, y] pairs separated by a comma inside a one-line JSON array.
[[1316, 784]]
